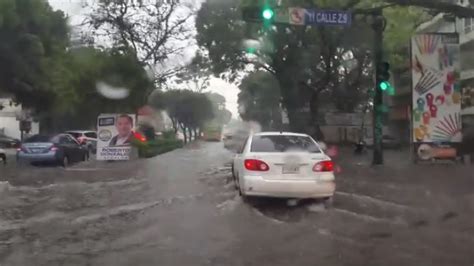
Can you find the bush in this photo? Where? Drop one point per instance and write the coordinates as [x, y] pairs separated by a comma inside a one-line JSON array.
[[170, 134], [155, 147]]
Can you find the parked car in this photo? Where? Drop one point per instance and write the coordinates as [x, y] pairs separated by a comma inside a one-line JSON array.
[[8, 142], [62, 149], [85, 136], [3, 156], [288, 165]]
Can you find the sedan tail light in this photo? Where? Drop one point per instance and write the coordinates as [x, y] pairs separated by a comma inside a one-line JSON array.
[[21, 148], [324, 166], [256, 165], [53, 148]]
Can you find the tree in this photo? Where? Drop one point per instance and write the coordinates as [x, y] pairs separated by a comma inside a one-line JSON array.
[[259, 100], [153, 30], [222, 116], [187, 109], [309, 63], [196, 75], [87, 83], [34, 38]]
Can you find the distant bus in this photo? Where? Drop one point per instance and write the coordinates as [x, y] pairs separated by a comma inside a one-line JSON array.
[[212, 133]]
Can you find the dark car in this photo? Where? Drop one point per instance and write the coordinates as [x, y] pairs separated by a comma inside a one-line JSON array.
[[86, 137], [60, 149], [8, 142]]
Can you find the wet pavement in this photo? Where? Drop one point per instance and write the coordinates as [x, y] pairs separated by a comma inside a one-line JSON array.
[[181, 208]]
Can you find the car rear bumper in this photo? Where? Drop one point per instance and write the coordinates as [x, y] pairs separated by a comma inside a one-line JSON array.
[[37, 157], [258, 186]]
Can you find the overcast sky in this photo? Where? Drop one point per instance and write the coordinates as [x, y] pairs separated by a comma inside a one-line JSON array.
[[77, 9]]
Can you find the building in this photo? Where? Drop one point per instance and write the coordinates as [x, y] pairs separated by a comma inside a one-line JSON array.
[[400, 103], [10, 116]]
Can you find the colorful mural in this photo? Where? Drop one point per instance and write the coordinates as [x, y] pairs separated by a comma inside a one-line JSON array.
[[436, 116]]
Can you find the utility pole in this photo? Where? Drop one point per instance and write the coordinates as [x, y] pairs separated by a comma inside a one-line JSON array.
[[378, 26]]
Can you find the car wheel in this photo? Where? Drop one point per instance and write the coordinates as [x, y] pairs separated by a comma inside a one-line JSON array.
[[234, 178], [328, 202], [65, 162]]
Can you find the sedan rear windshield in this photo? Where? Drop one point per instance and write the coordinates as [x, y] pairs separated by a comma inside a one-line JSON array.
[[38, 138], [283, 143], [75, 134]]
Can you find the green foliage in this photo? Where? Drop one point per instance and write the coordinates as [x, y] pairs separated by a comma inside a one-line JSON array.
[[222, 116], [158, 146], [187, 109], [78, 101], [259, 100], [34, 38], [310, 63], [196, 74]]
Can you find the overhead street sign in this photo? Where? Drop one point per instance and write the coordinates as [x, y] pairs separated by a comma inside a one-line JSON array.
[[302, 16]]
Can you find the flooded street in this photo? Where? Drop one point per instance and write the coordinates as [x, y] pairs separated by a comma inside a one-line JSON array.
[[181, 208]]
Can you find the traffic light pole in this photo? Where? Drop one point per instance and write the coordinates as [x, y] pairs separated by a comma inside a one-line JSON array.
[[378, 26]]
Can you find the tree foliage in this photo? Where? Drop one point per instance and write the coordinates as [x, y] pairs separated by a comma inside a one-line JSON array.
[[222, 116], [33, 40], [85, 71], [259, 100], [196, 75], [153, 30], [187, 109]]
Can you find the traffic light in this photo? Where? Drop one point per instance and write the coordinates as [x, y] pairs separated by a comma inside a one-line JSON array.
[[258, 14], [383, 78], [267, 13]]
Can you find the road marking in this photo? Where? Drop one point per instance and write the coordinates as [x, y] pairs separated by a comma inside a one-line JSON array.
[[375, 200], [369, 218], [85, 169]]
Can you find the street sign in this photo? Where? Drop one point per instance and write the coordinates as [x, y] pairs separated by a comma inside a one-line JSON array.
[[302, 16]]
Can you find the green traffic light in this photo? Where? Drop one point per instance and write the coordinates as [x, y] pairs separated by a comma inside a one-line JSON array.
[[384, 85], [267, 13]]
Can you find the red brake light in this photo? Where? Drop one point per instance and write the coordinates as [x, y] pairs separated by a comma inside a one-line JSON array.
[[324, 166], [139, 136], [21, 149], [256, 165], [53, 148]]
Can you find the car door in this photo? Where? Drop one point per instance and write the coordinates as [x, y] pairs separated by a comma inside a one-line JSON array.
[[75, 150], [62, 143]]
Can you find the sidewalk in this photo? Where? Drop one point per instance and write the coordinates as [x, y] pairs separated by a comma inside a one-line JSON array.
[[446, 186]]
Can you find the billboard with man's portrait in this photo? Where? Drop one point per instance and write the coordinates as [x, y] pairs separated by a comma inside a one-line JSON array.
[[114, 136]]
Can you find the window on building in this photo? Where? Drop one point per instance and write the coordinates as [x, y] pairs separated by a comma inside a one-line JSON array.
[[468, 25]]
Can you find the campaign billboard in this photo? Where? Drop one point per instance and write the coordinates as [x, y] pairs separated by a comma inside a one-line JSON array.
[[436, 91], [114, 136]]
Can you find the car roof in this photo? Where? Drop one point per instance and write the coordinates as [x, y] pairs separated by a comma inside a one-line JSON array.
[[80, 131], [277, 133]]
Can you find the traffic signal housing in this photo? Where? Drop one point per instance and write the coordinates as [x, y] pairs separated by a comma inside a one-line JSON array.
[[383, 78], [258, 14]]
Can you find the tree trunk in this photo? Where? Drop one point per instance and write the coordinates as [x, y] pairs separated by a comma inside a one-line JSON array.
[[175, 125], [184, 133], [195, 134], [315, 131]]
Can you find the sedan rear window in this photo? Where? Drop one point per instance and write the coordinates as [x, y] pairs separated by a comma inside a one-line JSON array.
[[38, 138], [283, 143], [75, 134]]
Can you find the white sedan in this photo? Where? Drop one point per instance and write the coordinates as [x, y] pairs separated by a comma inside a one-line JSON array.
[[287, 165]]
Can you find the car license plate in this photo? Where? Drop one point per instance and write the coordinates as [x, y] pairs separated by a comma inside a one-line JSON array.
[[36, 150], [291, 169]]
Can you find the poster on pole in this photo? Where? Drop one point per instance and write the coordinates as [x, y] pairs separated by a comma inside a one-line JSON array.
[[114, 136], [436, 94]]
